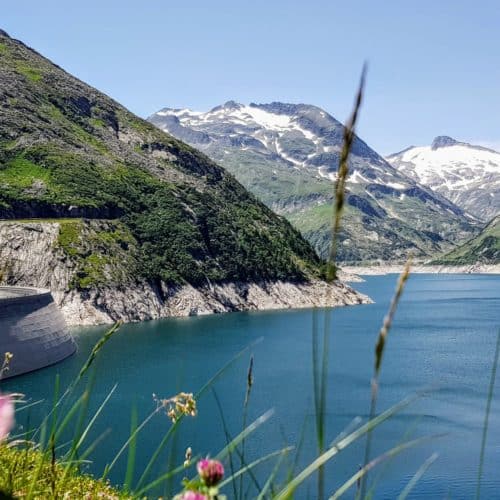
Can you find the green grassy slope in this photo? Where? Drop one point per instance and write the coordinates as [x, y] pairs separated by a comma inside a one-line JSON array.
[[484, 248], [67, 150]]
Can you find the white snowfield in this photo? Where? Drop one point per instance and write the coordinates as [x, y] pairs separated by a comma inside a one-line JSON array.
[[270, 129], [466, 174], [265, 126]]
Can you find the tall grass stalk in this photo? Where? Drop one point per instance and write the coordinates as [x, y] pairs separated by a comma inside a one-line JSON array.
[[320, 367], [131, 451], [320, 379], [379, 354], [487, 416], [343, 172], [245, 416], [230, 458]]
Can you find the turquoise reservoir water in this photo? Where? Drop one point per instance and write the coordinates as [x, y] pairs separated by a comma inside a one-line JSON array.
[[442, 340]]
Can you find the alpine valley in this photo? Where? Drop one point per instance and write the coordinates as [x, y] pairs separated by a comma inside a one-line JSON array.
[[288, 154], [122, 221]]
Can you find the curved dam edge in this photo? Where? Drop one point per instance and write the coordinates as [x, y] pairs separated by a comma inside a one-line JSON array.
[[33, 329]]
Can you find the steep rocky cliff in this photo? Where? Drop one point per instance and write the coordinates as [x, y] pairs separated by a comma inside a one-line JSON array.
[[143, 225], [90, 266]]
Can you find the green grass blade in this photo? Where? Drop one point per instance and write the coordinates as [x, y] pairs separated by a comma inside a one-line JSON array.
[[160, 479], [243, 434], [487, 416], [288, 490], [94, 444], [353, 424], [131, 451], [70, 414], [127, 443], [416, 478], [388, 454], [254, 464], [271, 477], [94, 418]]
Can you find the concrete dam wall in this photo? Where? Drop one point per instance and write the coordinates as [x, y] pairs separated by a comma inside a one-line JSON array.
[[33, 329]]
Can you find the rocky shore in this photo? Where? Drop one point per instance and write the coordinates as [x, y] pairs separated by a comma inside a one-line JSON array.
[[142, 302], [423, 269], [31, 255]]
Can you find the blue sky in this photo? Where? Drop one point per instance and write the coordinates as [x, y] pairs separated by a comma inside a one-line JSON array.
[[434, 66]]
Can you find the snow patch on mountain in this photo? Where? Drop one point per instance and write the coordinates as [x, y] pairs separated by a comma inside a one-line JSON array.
[[467, 174]]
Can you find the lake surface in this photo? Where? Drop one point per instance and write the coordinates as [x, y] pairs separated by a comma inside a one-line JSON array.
[[443, 341]]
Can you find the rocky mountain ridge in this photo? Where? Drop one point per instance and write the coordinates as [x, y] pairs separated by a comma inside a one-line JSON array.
[[467, 174], [287, 155]]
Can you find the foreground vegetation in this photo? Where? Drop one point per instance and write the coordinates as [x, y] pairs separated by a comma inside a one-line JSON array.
[[26, 473]]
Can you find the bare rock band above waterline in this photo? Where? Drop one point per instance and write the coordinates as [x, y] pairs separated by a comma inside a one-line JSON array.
[[143, 302], [477, 268], [31, 256]]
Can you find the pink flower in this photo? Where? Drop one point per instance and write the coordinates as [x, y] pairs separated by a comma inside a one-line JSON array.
[[192, 495], [6, 415], [210, 471]]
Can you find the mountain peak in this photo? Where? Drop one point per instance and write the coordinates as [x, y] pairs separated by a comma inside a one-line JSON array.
[[279, 108], [228, 105], [231, 105], [443, 141]]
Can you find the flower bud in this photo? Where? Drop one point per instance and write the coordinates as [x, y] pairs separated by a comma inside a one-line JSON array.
[[210, 471]]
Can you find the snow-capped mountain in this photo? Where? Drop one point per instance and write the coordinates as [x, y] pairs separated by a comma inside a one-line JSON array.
[[288, 154], [466, 174], [297, 135]]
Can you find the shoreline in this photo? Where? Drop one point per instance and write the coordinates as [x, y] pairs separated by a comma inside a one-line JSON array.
[[142, 303], [423, 269]]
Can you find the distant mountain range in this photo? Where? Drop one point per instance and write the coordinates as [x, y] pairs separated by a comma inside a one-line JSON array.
[[466, 174], [288, 154]]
